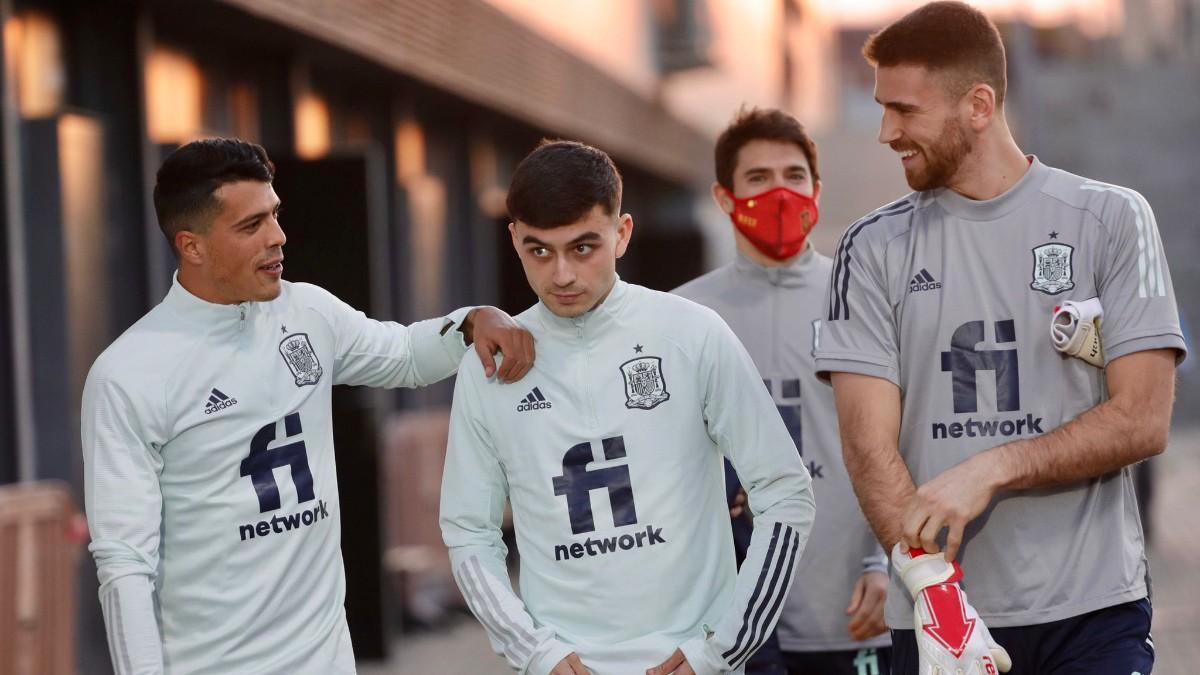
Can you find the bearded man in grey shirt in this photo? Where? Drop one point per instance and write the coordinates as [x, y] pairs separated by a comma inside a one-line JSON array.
[[958, 414]]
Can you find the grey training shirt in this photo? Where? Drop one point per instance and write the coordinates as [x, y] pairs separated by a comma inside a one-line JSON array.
[[775, 313], [950, 299]]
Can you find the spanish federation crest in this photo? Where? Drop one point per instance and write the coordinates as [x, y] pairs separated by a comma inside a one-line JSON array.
[[645, 387], [299, 356], [1052, 268]]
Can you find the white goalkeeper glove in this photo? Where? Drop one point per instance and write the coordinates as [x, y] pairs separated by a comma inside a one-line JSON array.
[[1075, 330], [951, 638]]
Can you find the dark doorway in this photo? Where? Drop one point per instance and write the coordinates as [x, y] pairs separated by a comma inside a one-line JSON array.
[[333, 224]]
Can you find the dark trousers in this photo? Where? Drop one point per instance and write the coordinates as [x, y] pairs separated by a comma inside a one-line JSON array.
[[869, 661], [1110, 641]]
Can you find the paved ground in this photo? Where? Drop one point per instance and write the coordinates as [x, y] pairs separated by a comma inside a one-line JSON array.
[[1174, 559]]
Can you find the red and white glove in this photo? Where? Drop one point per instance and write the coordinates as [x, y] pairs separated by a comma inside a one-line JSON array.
[[951, 638]]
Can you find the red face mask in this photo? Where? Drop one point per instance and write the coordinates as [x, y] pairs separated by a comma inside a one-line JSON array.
[[777, 221]]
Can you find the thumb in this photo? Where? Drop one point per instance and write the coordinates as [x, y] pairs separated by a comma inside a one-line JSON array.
[[856, 596], [484, 350], [669, 665], [1003, 662]]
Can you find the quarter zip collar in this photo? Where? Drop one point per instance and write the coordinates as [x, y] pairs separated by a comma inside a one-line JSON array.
[[202, 312], [591, 323], [796, 273]]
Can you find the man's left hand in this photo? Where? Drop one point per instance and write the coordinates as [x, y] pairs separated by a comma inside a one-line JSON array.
[[866, 606], [676, 664], [951, 500], [492, 331]]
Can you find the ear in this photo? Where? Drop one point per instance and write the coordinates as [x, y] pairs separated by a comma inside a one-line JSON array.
[[981, 100], [624, 232], [722, 197], [512, 230], [190, 247], [817, 192]]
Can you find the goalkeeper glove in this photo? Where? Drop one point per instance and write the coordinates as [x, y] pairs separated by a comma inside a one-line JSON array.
[[951, 638], [1075, 330]]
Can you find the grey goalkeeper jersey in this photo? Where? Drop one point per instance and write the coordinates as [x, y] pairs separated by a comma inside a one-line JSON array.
[[951, 299], [775, 313]]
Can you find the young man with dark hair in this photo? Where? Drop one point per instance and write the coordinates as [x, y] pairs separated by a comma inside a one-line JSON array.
[[611, 458], [211, 491], [989, 415], [773, 297]]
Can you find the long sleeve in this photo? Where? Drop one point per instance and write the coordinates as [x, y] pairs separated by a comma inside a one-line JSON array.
[[124, 511], [875, 560], [743, 421], [386, 353], [474, 491]]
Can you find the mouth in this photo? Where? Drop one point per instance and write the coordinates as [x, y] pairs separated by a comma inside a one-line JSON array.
[[567, 298], [272, 268], [907, 155]]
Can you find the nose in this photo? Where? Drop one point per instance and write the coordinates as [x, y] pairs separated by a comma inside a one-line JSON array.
[[889, 129], [275, 236], [564, 272]]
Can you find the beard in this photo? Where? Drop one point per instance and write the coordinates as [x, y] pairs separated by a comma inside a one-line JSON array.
[[942, 158]]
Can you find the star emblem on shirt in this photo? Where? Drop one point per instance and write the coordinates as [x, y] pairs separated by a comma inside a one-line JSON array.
[[282, 329], [1053, 235], [637, 349]]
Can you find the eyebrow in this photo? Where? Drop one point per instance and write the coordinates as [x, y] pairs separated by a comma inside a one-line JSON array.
[[897, 106], [529, 239], [762, 169], [258, 216]]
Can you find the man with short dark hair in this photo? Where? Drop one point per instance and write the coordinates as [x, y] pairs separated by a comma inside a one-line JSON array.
[[210, 484], [773, 297], [1002, 345], [611, 456]]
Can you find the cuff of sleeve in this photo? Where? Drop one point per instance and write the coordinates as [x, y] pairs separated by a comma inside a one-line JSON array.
[[546, 656], [437, 344], [452, 327], [1165, 340], [875, 564], [840, 364], [702, 656]]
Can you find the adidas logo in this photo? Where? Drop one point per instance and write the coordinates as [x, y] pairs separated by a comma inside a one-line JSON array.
[[217, 402], [923, 282], [534, 401]]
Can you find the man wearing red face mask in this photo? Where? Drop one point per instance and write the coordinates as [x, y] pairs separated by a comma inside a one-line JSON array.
[[773, 296]]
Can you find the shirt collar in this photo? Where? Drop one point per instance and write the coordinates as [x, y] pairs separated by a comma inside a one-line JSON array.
[[997, 207], [591, 322], [794, 274], [198, 310]]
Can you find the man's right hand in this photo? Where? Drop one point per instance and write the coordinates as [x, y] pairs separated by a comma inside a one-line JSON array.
[[570, 666]]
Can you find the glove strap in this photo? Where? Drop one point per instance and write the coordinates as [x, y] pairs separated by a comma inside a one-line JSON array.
[[920, 570]]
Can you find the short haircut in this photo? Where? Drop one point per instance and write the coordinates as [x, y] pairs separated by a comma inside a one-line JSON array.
[[187, 179], [560, 182], [757, 124], [949, 38]]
